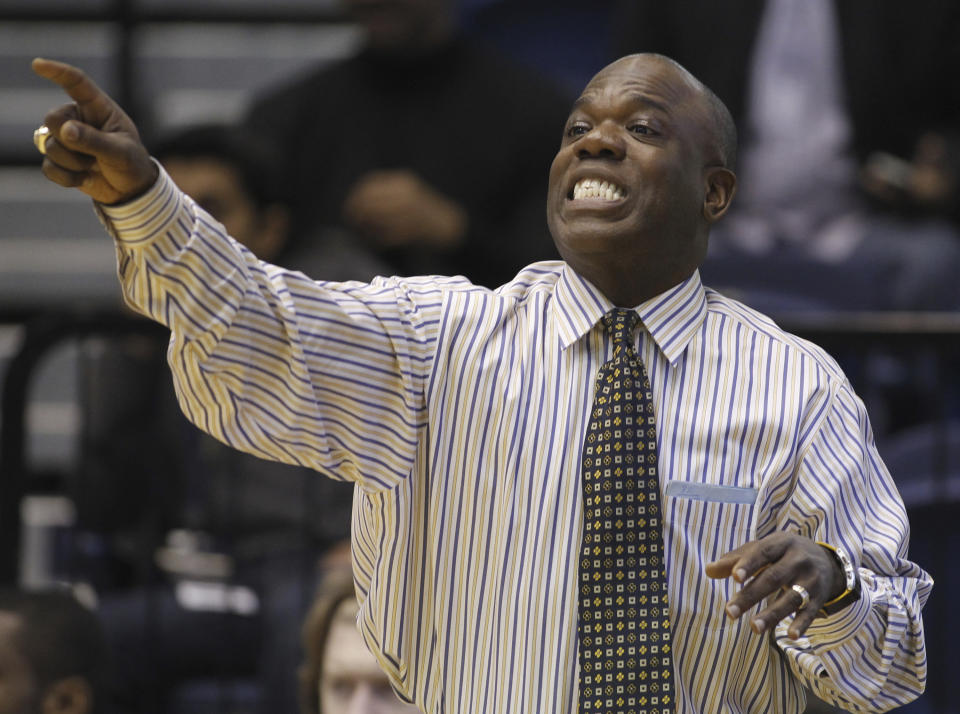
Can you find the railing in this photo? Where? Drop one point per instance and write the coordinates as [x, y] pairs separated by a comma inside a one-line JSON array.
[[42, 333], [175, 583]]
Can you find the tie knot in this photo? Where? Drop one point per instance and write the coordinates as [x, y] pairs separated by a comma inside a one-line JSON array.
[[620, 323]]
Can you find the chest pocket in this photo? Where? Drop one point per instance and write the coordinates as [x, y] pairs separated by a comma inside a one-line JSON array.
[[701, 523]]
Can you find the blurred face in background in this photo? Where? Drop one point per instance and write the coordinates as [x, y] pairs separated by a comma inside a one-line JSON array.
[[18, 693], [218, 189], [352, 681]]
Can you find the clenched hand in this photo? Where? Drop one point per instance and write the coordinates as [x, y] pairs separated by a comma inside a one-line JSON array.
[[398, 208]]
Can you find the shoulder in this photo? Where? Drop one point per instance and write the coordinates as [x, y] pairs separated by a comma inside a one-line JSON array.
[[532, 286], [441, 308], [535, 279], [758, 328]]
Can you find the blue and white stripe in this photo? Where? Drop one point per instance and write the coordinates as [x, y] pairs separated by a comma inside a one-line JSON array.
[[459, 413]]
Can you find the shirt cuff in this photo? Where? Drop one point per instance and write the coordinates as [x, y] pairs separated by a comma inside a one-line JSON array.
[[139, 221], [830, 631]]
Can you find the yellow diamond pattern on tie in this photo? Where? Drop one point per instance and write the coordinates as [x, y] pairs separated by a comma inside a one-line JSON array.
[[624, 626]]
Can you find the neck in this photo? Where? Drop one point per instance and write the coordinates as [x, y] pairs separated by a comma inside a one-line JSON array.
[[628, 285]]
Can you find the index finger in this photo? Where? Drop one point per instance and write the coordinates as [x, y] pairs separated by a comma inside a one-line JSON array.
[[722, 567], [745, 562], [93, 102]]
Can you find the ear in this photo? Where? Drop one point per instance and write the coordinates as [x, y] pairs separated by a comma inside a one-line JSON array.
[[274, 231], [71, 695], [721, 185]]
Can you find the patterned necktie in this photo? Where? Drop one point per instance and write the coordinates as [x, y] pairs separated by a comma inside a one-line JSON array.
[[624, 625]]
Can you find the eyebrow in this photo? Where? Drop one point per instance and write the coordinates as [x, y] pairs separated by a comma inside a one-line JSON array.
[[635, 97]]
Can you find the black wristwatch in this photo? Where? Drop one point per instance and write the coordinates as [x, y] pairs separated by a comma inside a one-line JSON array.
[[851, 592]]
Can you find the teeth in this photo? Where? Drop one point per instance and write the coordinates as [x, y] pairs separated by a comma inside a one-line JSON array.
[[595, 188]]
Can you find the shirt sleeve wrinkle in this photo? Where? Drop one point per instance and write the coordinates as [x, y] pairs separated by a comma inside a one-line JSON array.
[[250, 342], [870, 656]]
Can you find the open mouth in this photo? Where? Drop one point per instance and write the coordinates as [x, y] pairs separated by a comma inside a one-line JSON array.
[[596, 189]]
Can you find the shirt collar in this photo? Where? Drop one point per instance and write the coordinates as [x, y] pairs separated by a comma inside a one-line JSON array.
[[671, 318]]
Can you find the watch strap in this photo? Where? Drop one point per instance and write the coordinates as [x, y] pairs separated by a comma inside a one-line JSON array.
[[851, 591]]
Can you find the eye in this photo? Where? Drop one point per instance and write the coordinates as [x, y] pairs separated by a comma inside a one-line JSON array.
[[341, 687], [642, 129], [384, 692], [577, 129]]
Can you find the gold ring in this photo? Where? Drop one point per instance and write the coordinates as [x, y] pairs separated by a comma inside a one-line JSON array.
[[40, 137], [804, 596]]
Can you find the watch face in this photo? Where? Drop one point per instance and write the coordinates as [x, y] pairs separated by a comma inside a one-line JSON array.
[[848, 571], [852, 592]]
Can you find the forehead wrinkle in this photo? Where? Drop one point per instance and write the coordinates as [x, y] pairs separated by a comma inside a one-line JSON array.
[[642, 79], [644, 100], [645, 84], [646, 72], [641, 99]]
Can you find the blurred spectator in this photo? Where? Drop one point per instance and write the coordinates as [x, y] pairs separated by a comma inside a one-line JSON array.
[[850, 128], [231, 173], [433, 153], [227, 172], [234, 536], [339, 675], [53, 659]]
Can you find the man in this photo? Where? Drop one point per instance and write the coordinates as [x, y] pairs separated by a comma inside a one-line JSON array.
[[52, 655], [392, 128], [460, 415]]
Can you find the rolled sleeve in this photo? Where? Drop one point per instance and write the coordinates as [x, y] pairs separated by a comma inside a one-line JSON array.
[[870, 656]]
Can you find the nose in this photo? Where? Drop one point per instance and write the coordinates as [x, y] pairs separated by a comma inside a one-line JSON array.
[[362, 701], [601, 142], [359, 702]]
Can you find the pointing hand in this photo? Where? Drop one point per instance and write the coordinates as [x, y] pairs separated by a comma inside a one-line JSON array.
[[92, 145]]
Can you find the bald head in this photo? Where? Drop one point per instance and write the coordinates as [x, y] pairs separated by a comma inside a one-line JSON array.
[[658, 145], [719, 121]]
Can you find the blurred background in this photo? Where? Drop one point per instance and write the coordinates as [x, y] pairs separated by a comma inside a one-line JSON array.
[[73, 510]]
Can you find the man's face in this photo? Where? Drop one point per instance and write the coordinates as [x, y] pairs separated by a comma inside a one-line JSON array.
[[627, 186], [352, 681], [18, 693]]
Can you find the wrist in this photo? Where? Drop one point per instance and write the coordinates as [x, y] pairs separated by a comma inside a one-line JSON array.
[[846, 585], [147, 180]]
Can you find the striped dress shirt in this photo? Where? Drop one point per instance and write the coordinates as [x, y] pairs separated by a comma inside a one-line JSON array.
[[459, 413]]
